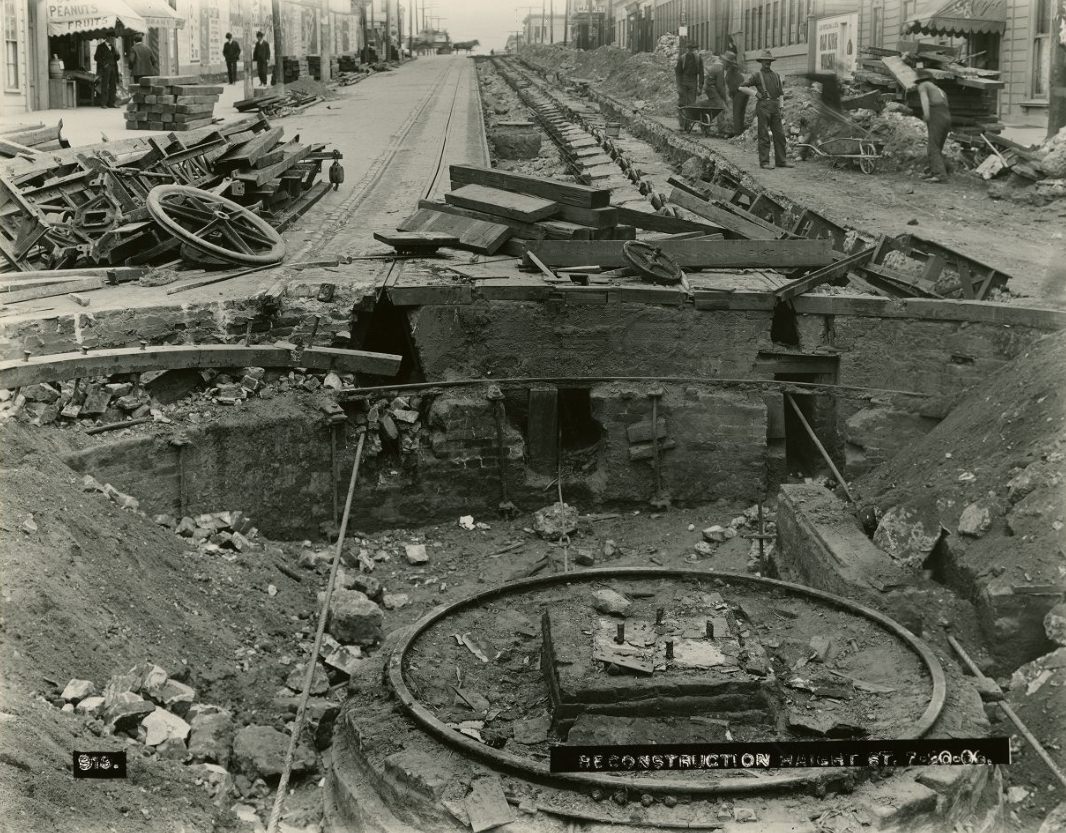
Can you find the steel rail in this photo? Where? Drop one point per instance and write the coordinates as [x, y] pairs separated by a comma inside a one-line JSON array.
[[538, 771]]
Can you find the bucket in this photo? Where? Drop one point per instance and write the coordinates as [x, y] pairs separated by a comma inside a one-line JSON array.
[[612, 129], [55, 67]]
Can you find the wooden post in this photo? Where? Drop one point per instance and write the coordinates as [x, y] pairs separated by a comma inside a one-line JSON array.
[[325, 45], [279, 45], [543, 432]]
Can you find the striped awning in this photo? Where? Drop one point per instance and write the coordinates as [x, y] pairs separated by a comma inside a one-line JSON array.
[[157, 14], [958, 17], [94, 18]]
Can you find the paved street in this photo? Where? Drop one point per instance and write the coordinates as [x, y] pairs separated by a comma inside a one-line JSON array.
[[398, 132]]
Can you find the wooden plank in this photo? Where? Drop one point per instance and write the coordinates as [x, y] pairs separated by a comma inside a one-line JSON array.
[[817, 278], [52, 289], [905, 75], [503, 203], [249, 152], [53, 367], [474, 235], [532, 231], [592, 217], [660, 222], [566, 193], [692, 254], [262, 176], [720, 217], [486, 805], [542, 434]]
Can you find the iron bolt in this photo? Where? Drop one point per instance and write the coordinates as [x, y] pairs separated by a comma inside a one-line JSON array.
[[620, 636], [669, 649]]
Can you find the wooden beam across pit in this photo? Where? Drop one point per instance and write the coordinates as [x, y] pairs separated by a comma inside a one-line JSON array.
[[60, 366], [566, 193], [691, 254]]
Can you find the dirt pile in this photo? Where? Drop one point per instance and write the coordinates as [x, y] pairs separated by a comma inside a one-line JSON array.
[[979, 501]]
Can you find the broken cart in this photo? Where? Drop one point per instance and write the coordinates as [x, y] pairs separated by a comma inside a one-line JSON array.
[[848, 142]]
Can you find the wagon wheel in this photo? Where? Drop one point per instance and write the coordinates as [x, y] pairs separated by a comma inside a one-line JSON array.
[[215, 226], [868, 159], [652, 263]]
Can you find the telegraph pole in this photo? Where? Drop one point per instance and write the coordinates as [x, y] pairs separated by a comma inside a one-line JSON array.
[[388, 30], [279, 45], [551, 16], [325, 46], [566, 23]]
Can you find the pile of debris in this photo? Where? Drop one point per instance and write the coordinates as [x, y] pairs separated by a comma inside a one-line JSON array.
[[29, 140], [1035, 175], [397, 423], [90, 207], [214, 532], [171, 102], [971, 91], [277, 104]]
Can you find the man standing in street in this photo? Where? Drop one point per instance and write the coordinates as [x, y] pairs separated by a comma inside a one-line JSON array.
[[768, 90], [734, 80], [689, 75], [261, 56], [107, 72], [938, 122], [231, 51], [142, 61]]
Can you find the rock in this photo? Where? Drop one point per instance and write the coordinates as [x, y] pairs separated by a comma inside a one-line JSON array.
[[347, 659], [692, 169], [1055, 822], [162, 725], [174, 695], [744, 814], [90, 706], [211, 737], [394, 601], [172, 750], [332, 381], [68, 707], [132, 401], [1017, 794], [584, 557], [77, 690], [259, 751], [908, 533], [715, 534], [40, 392], [703, 549], [822, 723], [515, 142], [551, 524], [126, 709], [298, 676], [218, 782], [416, 553], [823, 647], [975, 520], [1021, 484], [315, 559], [609, 601], [91, 484], [354, 619], [609, 548], [1055, 624]]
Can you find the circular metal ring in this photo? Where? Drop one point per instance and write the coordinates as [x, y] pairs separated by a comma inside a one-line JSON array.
[[538, 771], [204, 221]]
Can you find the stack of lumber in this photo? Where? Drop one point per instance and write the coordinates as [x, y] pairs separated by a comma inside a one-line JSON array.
[[491, 210], [293, 68], [971, 92], [171, 102], [85, 207], [348, 63]]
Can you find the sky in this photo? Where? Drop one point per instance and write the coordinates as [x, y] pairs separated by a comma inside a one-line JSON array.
[[489, 21]]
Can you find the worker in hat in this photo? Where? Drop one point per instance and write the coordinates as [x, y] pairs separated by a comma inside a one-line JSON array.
[[689, 75], [734, 80], [768, 90], [937, 117]]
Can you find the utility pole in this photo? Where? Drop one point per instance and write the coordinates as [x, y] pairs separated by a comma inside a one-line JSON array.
[[566, 23], [279, 45], [325, 46], [247, 41], [411, 28], [551, 16], [388, 30], [542, 21], [1056, 111]]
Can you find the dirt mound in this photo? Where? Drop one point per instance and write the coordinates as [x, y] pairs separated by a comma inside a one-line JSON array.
[[981, 499], [91, 590]]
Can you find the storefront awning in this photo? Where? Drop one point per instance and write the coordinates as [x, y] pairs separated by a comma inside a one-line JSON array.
[[157, 14], [958, 17], [91, 17]]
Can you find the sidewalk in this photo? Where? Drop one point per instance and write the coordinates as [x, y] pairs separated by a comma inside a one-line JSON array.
[[90, 125]]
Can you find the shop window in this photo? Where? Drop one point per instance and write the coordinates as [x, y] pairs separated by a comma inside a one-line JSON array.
[[12, 81]]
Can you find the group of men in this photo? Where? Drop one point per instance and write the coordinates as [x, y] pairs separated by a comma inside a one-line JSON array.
[[141, 60], [231, 51], [726, 87]]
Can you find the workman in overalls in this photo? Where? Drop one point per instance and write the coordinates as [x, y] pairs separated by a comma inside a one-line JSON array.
[[768, 90], [938, 123]]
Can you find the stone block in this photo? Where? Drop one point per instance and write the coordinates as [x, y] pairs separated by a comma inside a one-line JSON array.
[[416, 553], [161, 726], [419, 771], [90, 706], [211, 737], [354, 619], [609, 601], [77, 690], [259, 752]]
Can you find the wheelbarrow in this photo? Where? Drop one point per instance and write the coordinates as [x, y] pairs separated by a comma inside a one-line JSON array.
[[863, 151], [701, 114]]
